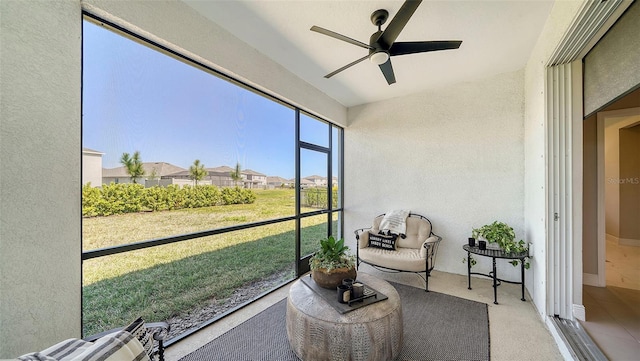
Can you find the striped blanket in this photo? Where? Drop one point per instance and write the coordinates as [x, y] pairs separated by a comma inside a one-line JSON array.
[[118, 346]]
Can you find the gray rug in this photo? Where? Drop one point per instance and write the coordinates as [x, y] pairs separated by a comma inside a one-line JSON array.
[[436, 327]]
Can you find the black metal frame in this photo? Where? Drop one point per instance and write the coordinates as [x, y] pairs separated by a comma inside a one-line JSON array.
[[493, 274], [433, 247], [301, 263], [159, 332]]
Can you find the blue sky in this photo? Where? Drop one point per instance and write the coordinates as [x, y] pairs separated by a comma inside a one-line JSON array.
[[138, 99]]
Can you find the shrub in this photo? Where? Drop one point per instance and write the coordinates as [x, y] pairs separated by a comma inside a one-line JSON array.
[[129, 197], [237, 195], [175, 197], [156, 199], [90, 199]]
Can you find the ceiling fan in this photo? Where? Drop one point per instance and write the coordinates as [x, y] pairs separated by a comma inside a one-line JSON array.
[[382, 45]]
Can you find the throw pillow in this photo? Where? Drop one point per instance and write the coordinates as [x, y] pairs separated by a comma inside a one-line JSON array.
[[384, 241]]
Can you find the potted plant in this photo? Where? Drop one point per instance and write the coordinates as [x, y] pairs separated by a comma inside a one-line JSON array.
[[504, 236], [331, 263], [472, 261]]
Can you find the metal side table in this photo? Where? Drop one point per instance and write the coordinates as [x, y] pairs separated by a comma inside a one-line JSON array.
[[493, 275]]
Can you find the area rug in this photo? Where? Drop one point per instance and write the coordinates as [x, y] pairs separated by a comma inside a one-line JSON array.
[[436, 327]]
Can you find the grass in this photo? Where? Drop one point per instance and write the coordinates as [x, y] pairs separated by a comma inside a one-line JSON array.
[[160, 282]]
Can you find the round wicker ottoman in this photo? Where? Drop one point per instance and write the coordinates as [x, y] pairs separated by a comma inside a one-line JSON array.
[[316, 331]]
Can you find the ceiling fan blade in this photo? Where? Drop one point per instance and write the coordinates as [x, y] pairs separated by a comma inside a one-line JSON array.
[[398, 22], [345, 67], [335, 35], [412, 47], [387, 70]]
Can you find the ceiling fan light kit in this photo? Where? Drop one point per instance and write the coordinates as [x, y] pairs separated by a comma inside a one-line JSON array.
[[379, 57], [382, 45]]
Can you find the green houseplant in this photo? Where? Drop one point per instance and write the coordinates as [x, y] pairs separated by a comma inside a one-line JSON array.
[[331, 263], [504, 235]]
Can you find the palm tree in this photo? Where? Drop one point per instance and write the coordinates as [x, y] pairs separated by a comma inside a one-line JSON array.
[[197, 171], [153, 176], [133, 165], [236, 175]]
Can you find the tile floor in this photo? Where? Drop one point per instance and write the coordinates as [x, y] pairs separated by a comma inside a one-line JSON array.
[[613, 312], [613, 320], [622, 265]]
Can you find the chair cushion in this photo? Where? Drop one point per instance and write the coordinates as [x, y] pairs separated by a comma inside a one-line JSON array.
[[118, 346], [404, 259], [418, 230]]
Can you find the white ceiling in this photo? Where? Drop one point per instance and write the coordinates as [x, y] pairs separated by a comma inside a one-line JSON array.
[[498, 37]]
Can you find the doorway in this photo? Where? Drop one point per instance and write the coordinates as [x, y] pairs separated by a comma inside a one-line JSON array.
[[619, 197], [611, 259], [610, 195]]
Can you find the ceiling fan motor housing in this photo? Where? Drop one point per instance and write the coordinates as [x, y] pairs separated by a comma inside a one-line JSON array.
[[378, 53], [379, 17]]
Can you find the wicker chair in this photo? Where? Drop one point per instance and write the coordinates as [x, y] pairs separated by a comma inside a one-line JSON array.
[[414, 252]]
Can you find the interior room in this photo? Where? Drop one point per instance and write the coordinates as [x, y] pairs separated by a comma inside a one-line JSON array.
[[610, 260], [508, 124]]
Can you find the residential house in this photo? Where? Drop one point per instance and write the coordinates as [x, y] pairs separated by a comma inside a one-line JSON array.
[[507, 145], [154, 172], [305, 183], [254, 179], [277, 182], [317, 180], [221, 177], [91, 167]]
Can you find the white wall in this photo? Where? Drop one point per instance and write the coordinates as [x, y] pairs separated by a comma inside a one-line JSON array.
[[612, 178], [40, 83], [561, 16], [454, 155], [40, 135]]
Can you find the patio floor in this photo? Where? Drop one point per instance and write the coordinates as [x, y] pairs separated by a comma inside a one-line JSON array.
[[516, 330]]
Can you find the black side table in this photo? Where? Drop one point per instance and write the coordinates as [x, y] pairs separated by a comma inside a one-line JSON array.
[[493, 275]]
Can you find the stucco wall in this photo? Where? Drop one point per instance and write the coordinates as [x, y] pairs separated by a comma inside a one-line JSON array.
[[612, 67], [454, 155], [40, 139]]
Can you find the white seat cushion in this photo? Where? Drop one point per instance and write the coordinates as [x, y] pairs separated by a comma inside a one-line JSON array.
[[404, 259]]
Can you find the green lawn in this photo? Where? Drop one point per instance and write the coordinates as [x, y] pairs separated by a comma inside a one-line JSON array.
[[160, 282]]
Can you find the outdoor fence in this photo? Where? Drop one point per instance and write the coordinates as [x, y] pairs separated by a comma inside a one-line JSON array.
[[317, 197]]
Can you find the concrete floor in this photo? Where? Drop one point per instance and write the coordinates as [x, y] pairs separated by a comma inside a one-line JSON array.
[[516, 330]]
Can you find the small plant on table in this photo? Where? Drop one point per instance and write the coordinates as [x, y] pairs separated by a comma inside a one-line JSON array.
[[504, 235]]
